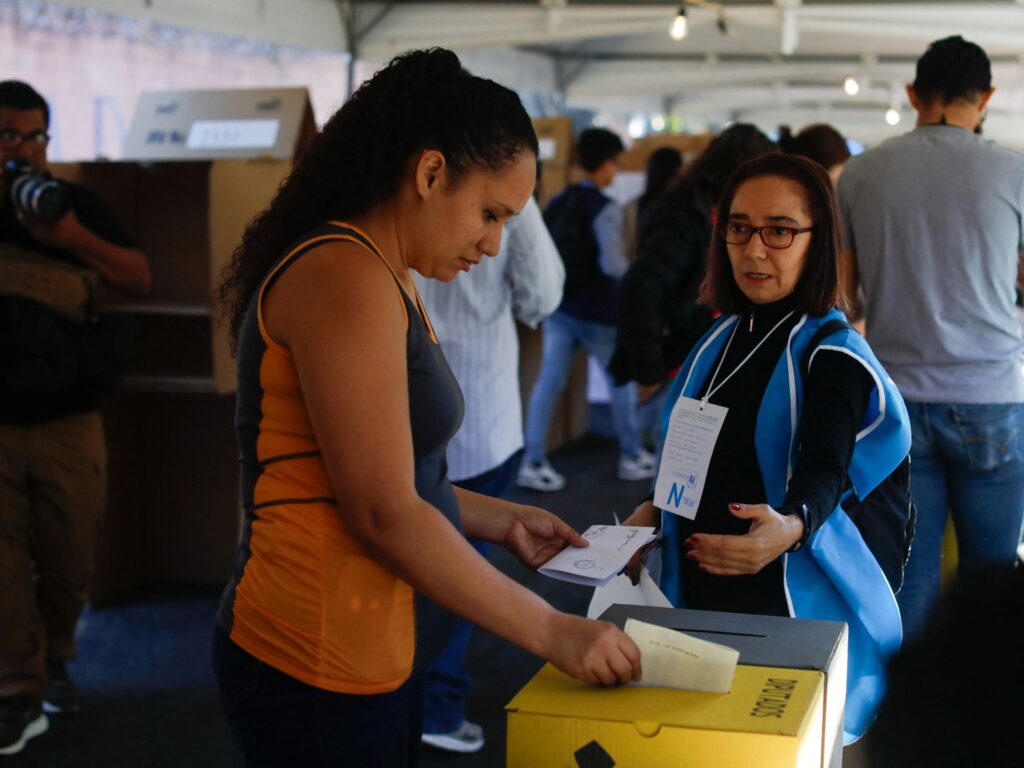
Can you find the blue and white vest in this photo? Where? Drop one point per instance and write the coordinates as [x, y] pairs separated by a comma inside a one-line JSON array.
[[834, 577]]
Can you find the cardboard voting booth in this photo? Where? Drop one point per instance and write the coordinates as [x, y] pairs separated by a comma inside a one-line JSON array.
[[199, 165], [785, 707]]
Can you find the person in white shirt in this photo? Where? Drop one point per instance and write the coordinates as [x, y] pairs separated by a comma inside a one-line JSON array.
[[474, 318]]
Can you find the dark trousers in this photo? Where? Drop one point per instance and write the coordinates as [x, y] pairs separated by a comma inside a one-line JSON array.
[[280, 721], [447, 683], [53, 479]]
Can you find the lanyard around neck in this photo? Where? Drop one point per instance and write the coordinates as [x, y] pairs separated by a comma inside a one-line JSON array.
[[711, 387]]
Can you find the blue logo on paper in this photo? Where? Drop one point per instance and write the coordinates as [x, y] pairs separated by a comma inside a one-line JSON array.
[[675, 495], [691, 481]]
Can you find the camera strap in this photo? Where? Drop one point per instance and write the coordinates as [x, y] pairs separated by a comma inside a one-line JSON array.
[[65, 289]]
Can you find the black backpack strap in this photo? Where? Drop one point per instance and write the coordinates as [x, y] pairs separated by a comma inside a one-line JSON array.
[[826, 330]]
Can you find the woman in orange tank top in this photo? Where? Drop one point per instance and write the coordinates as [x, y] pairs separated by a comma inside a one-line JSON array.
[[345, 406]]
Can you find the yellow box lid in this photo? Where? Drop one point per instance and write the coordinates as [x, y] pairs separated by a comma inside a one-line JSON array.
[[770, 700]]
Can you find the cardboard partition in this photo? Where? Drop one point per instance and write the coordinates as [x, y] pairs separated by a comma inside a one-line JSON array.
[[201, 165], [252, 123], [187, 218], [554, 134], [785, 707], [690, 145]]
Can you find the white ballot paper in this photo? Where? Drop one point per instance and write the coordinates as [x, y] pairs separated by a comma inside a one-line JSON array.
[[676, 660], [621, 591], [692, 432], [610, 548]]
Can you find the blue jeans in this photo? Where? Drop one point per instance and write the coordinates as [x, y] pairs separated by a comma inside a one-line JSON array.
[[278, 720], [967, 460], [447, 683], [563, 334]]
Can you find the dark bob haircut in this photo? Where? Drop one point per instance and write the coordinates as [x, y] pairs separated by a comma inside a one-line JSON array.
[[820, 142], [818, 290]]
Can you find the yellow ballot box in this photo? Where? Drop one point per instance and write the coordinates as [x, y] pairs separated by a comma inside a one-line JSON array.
[[784, 713]]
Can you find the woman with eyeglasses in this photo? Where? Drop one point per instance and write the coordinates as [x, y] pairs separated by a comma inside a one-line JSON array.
[[753, 518]]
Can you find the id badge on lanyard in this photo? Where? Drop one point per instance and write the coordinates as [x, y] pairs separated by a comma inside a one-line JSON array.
[[693, 431]]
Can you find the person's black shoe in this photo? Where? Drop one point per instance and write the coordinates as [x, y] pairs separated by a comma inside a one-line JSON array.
[[60, 695], [21, 718]]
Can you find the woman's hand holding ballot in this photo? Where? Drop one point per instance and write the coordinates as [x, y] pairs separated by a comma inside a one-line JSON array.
[[596, 652], [648, 515]]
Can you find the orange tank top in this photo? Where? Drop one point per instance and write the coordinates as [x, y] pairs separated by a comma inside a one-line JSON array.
[[306, 596]]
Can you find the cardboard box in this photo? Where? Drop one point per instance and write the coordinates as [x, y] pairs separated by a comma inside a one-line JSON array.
[[785, 707], [194, 181], [200, 165]]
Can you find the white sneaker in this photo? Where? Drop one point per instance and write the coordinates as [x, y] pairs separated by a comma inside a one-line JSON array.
[[640, 467], [469, 737], [540, 476]]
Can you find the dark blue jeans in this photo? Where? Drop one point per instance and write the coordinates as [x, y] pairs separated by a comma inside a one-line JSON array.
[[279, 721], [967, 461], [448, 685]]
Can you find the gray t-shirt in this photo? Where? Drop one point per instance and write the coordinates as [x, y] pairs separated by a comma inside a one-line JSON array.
[[936, 219]]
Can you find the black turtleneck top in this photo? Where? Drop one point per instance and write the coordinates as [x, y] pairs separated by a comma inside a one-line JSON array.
[[836, 395]]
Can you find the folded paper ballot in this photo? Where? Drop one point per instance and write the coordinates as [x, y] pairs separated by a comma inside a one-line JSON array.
[[610, 548], [672, 659]]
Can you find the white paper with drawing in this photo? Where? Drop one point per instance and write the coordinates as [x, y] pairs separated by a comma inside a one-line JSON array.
[[692, 432], [610, 548], [672, 659]]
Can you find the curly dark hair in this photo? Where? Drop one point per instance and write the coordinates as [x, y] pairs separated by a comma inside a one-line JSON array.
[[420, 100], [818, 290]]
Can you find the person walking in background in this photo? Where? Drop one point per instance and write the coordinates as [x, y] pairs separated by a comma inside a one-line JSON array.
[[662, 169], [474, 319], [586, 226], [354, 548], [659, 317], [821, 143], [934, 224]]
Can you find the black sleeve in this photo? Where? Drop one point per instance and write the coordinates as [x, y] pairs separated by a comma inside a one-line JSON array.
[[838, 390], [95, 216], [669, 252]]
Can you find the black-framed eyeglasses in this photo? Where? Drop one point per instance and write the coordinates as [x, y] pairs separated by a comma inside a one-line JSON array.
[[12, 138], [772, 235]]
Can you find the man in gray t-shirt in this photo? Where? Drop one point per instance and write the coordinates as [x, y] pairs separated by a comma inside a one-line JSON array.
[[933, 223]]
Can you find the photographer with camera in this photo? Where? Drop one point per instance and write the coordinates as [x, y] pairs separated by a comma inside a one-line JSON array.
[[58, 244]]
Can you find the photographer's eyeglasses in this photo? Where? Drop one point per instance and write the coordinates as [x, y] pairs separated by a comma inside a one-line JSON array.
[[12, 138], [772, 235]]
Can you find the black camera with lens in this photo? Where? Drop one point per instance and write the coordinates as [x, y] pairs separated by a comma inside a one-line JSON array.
[[35, 193]]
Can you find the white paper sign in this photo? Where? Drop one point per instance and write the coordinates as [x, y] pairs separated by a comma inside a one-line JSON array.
[[621, 591], [233, 134], [692, 432], [672, 659], [610, 548]]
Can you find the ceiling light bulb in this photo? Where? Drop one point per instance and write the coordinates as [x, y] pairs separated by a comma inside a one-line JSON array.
[[637, 127], [679, 26], [851, 86], [892, 117]]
